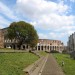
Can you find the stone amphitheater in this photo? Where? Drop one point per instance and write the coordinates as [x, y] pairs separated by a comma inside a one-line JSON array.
[[43, 44]]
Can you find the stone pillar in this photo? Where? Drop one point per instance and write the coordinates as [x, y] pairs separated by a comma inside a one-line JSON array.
[[37, 47], [49, 48], [43, 47], [59, 48], [56, 48], [40, 47]]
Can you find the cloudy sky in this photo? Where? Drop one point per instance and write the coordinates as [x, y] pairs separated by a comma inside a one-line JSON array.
[[53, 19]]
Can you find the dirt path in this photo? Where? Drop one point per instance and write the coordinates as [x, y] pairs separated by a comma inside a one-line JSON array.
[[51, 67]]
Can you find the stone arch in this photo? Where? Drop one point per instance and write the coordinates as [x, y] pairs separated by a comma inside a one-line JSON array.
[[42, 47], [38, 47]]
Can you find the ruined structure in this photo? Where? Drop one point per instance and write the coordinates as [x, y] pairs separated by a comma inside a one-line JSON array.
[[49, 45], [43, 44]]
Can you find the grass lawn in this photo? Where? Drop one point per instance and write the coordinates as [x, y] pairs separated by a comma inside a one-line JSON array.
[[43, 53], [6, 49], [14, 63], [69, 64]]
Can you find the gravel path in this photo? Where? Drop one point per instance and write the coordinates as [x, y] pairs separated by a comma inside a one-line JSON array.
[[52, 67]]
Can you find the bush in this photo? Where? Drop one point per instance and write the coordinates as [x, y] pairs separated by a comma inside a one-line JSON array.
[[54, 51], [64, 51]]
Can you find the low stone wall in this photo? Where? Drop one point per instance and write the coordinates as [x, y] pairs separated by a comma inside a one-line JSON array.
[[36, 53], [36, 67], [12, 51]]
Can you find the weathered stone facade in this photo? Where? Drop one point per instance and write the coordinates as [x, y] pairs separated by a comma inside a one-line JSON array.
[[43, 44], [1, 39], [49, 45]]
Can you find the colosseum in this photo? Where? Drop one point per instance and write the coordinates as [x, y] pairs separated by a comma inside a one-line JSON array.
[[42, 45], [49, 45]]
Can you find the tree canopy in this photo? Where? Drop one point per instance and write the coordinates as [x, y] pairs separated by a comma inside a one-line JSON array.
[[24, 32]]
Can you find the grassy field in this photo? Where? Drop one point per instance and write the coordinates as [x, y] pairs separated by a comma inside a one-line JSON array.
[[6, 49], [14, 63], [42, 53], [69, 64]]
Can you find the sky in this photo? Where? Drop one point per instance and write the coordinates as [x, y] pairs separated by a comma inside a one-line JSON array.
[[53, 19]]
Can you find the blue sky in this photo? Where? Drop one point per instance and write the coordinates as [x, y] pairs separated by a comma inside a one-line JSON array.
[[53, 19]]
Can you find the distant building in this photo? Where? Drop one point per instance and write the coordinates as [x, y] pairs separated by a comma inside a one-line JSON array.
[[71, 43], [43, 44]]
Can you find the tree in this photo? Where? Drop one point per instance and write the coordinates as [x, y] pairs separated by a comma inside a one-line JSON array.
[[24, 33]]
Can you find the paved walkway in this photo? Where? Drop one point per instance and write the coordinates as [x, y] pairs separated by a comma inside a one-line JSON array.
[[51, 67]]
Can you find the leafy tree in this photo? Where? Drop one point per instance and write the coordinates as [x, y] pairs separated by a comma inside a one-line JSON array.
[[24, 33]]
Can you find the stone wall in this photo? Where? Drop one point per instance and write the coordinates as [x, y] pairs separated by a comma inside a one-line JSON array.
[[1, 39], [43, 44], [49, 45]]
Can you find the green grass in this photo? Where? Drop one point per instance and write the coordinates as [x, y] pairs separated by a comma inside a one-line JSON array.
[[43, 53], [6, 49], [14, 63], [69, 64]]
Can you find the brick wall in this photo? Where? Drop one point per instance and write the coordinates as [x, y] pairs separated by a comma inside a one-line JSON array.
[[1, 39]]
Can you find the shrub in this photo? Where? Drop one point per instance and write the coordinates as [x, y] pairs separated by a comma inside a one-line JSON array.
[[64, 51], [54, 51]]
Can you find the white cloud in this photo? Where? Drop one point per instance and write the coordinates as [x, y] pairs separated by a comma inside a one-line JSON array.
[[7, 11], [48, 15], [72, 0], [54, 22], [42, 14], [3, 22], [53, 35], [70, 32], [57, 35], [35, 9], [33, 23], [6, 15], [41, 35]]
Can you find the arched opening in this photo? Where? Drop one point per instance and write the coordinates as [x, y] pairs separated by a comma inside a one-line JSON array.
[[48, 47], [41, 47], [26, 46], [38, 47], [23, 47], [45, 47]]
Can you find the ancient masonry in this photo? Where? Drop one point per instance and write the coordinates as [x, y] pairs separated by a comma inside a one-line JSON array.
[[1, 39], [49, 45], [43, 44]]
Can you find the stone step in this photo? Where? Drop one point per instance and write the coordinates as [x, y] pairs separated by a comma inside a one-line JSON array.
[[35, 68]]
